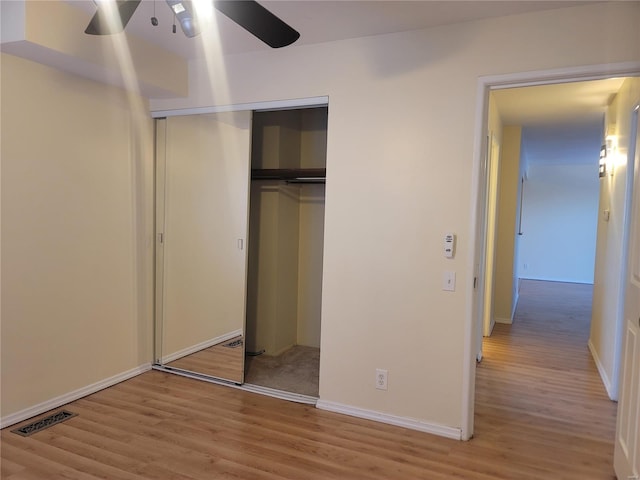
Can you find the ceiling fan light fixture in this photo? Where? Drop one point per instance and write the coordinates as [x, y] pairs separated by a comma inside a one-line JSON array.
[[248, 14], [177, 8], [187, 22]]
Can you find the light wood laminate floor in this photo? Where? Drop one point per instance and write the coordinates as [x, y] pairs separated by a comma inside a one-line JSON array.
[[541, 413], [217, 361]]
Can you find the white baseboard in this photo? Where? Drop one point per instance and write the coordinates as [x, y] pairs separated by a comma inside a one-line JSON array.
[[556, 280], [56, 402], [201, 346], [602, 372], [507, 321], [411, 423]]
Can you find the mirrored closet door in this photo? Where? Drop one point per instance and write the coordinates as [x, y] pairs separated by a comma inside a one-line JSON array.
[[202, 191]]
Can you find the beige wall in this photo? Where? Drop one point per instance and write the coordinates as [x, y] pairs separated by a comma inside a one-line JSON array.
[[491, 233], [505, 281], [607, 307], [313, 154], [277, 236], [487, 225], [399, 176], [310, 256], [76, 233]]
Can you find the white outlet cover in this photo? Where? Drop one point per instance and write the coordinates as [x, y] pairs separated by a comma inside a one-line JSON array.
[[381, 379]]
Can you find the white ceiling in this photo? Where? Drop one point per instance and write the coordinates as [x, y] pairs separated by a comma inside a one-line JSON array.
[[324, 21], [578, 102], [562, 124]]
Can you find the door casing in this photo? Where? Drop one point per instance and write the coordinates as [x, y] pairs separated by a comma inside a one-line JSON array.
[[477, 245]]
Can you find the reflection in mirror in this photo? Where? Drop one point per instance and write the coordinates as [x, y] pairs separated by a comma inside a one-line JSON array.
[[202, 211]]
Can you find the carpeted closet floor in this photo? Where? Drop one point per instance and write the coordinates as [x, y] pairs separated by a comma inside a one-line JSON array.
[[295, 370]]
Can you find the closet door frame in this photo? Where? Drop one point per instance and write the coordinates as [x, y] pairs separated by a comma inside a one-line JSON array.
[[254, 106], [160, 178], [159, 184]]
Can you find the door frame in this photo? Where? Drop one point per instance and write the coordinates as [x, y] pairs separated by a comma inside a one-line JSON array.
[[477, 244], [253, 106], [159, 175], [624, 461], [626, 235]]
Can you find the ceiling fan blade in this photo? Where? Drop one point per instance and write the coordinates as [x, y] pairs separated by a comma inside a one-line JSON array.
[[259, 21], [100, 24]]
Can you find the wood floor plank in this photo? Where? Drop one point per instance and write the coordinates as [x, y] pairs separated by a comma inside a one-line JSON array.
[[541, 412]]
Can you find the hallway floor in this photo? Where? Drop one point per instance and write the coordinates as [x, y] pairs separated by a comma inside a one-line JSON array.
[[539, 397]]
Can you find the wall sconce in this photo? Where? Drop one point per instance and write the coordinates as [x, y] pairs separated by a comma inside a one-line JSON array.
[[602, 164], [612, 152], [608, 153]]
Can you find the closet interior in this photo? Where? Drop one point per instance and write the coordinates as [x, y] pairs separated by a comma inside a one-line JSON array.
[[285, 249]]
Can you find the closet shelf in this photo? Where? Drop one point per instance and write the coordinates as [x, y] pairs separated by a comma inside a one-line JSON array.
[[292, 175]]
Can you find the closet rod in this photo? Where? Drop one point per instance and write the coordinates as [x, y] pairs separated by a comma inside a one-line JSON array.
[[292, 174], [306, 181]]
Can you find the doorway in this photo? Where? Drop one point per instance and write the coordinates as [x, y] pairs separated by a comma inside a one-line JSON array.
[[285, 246], [485, 85], [548, 195]]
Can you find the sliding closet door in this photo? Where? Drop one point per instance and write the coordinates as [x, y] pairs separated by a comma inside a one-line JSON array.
[[203, 181]]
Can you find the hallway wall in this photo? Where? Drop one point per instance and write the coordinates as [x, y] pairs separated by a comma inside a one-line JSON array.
[[605, 336], [559, 218]]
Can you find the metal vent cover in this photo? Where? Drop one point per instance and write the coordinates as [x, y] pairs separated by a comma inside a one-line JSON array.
[[46, 422], [233, 343]]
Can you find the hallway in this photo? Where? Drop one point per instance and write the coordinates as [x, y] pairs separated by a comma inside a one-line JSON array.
[[539, 399]]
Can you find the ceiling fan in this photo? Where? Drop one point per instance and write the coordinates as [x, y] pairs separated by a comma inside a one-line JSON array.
[[249, 14]]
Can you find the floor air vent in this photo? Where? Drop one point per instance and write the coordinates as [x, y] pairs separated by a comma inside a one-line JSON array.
[[233, 343], [43, 423]]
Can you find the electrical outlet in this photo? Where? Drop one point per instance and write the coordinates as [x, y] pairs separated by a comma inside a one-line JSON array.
[[381, 379]]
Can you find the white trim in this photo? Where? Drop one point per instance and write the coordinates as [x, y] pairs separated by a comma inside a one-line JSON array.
[[561, 75], [411, 423], [201, 346], [602, 371], [71, 396], [473, 325], [281, 394], [485, 84], [270, 105], [632, 153], [557, 280], [504, 321]]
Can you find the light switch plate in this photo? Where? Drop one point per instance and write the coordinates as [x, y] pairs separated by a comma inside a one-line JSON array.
[[449, 281]]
